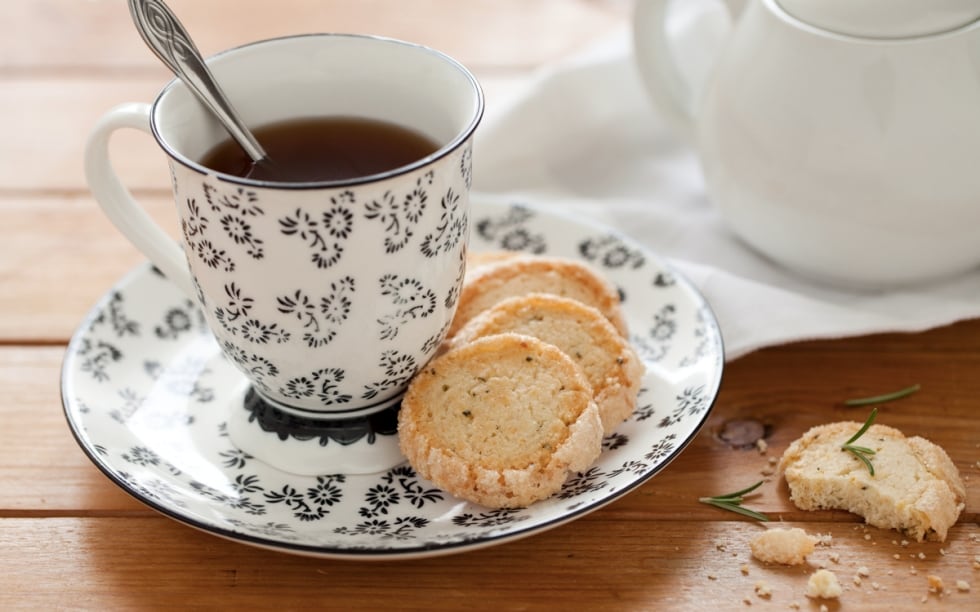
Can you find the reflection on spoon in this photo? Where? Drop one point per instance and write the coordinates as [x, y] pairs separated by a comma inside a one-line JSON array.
[[169, 41]]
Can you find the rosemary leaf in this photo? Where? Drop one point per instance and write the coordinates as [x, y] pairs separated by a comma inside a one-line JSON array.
[[862, 452], [864, 459], [864, 428], [733, 502], [880, 399], [744, 491], [737, 509]]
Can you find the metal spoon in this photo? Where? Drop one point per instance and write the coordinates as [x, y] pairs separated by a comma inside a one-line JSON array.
[[167, 38]]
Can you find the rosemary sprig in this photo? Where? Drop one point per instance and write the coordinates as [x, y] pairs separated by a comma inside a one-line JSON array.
[[733, 502], [880, 399], [862, 452]]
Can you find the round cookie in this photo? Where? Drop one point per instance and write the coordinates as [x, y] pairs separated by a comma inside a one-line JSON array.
[[501, 421], [523, 275], [581, 332]]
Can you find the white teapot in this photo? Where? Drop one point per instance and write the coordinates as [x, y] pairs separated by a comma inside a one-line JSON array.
[[840, 138]]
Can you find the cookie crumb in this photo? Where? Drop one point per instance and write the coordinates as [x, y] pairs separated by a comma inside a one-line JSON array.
[[744, 569], [935, 583], [863, 571], [762, 446], [785, 546], [762, 589], [962, 585], [835, 557], [823, 584]]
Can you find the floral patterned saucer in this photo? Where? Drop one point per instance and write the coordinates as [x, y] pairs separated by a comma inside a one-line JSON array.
[[147, 395]]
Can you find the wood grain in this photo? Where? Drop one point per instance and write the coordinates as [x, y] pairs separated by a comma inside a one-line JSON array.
[[59, 273], [97, 35], [73, 540], [594, 563], [774, 387]]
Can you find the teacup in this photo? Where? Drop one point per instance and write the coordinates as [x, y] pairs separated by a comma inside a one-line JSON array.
[[328, 296]]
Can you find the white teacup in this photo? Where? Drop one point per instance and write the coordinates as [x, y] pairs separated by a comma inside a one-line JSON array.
[[328, 296]]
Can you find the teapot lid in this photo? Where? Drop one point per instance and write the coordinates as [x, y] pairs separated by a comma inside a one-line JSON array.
[[884, 18]]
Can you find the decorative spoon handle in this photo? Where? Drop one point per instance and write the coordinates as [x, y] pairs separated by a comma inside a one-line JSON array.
[[167, 38]]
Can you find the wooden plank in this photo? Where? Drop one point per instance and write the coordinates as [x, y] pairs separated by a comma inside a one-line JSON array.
[[787, 405], [46, 154], [59, 273], [595, 563], [473, 30], [789, 389]]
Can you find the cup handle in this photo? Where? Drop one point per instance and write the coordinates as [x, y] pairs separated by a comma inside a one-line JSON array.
[[118, 204], [669, 88]]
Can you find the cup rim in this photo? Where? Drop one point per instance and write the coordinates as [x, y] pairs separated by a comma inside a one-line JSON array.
[[461, 137]]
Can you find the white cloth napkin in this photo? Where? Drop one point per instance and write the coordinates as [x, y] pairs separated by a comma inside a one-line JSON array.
[[582, 137]]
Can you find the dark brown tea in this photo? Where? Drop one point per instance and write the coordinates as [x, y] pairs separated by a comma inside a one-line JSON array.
[[323, 149]]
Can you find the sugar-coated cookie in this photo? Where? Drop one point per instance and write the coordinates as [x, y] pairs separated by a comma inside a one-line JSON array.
[[500, 421], [610, 364], [490, 284]]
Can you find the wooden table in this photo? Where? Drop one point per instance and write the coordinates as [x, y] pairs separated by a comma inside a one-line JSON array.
[[69, 538]]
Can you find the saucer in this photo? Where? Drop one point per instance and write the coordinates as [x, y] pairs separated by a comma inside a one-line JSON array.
[[148, 395]]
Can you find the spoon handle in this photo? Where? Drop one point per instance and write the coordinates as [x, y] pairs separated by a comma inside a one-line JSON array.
[[167, 38]]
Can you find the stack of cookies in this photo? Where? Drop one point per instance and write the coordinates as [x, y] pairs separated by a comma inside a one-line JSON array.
[[537, 369]]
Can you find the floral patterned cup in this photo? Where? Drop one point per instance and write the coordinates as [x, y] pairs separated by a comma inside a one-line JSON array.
[[327, 296]]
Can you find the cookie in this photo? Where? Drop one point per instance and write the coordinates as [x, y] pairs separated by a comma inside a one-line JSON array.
[[610, 364], [522, 275], [501, 421], [915, 489]]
